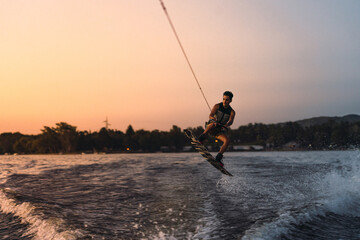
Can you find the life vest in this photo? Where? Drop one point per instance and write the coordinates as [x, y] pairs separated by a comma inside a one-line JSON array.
[[223, 114]]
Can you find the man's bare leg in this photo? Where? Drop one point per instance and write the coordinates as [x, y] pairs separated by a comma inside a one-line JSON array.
[[225, 141]]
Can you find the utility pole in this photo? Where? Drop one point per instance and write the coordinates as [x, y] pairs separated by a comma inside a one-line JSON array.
[[107, 124]]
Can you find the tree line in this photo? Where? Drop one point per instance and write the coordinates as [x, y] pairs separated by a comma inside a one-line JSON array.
[[65, 138]]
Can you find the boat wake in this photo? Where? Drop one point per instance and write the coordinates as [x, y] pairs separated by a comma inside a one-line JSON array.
[[332, 213], [39, 227]]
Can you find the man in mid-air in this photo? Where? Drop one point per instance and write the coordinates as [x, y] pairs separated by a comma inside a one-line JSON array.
[[220, 119]]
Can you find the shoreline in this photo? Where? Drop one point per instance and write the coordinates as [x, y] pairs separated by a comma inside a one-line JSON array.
[[174, 152]]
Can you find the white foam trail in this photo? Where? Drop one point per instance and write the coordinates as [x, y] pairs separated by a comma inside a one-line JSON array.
[[282, 225], [343, 193], [41, 229], [338, 192]]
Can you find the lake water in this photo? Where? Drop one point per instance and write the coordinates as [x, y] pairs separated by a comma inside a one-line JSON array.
[[273, 195]]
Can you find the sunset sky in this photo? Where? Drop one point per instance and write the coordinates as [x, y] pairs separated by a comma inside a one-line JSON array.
[[80, 61]]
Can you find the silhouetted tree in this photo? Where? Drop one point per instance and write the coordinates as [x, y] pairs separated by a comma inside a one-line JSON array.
[[176, 138], [67, 135], [130, 139], [7, 141], [47, 142], [24, 145]]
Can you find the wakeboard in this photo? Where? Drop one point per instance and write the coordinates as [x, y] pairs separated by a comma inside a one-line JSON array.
[[204, 152]]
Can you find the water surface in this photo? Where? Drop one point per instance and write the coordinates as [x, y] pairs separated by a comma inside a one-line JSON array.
[[273, 195]]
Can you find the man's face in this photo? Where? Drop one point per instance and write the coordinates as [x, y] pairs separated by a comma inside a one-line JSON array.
[[226, 101]]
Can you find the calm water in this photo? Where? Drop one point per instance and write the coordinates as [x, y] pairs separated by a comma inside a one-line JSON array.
[[275, 195]]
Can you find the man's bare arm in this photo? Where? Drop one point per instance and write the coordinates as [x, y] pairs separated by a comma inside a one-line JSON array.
[[231, 120], [213, 112]]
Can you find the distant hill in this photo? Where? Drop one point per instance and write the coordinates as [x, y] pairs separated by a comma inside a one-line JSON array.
[[351, 118]]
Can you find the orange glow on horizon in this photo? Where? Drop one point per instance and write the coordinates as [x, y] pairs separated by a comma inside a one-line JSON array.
[[78, 62]]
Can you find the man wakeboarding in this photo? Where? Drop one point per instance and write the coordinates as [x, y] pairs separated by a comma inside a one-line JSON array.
[[220, 119]]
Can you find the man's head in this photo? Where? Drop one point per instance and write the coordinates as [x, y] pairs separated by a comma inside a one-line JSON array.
[[227, 98], [229, 94]]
